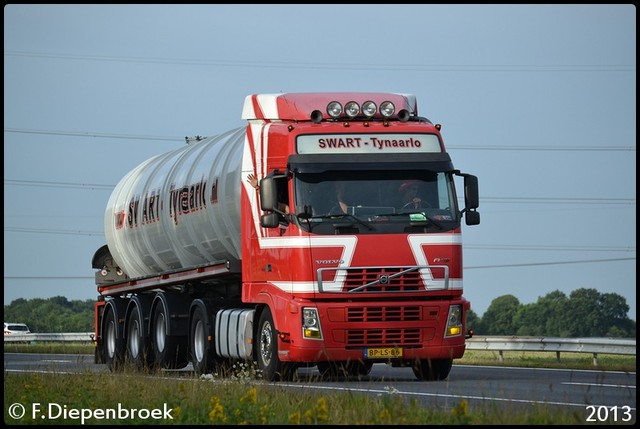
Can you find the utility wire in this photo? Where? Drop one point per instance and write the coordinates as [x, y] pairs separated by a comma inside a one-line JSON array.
[[92, 134], [537, 264], [52, 231], [528, 200], [468, 246], [50, 184], [550, 148], [336, 66], [466, 268]]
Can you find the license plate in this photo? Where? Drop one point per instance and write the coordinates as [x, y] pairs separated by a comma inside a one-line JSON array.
[[385, 352]]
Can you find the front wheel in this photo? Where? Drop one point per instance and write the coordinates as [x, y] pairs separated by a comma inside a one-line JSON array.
[[269, 365], [432, 369]]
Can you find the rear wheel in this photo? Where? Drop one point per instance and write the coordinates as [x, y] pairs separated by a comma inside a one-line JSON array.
[[203, 356], [432, 369], [113, 347], [169, 352], [137, 351]]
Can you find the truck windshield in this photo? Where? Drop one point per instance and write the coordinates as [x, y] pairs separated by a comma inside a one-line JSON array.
[[375, 202]]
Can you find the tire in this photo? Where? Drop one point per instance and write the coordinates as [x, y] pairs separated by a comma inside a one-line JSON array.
[[269, 365], [432, 369], [112, 345], [203, 356], [137, 352], [169, 352]]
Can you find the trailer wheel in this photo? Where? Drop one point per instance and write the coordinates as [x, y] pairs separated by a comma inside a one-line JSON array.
[[203, 356], [270, 366], [168, 351], [137, 351], [113, 348], [432, 369]]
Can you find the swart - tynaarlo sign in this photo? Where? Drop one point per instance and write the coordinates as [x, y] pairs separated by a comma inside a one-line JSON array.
[[368, 143]]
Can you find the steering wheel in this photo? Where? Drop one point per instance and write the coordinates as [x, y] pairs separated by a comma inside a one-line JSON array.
[[421, 204]]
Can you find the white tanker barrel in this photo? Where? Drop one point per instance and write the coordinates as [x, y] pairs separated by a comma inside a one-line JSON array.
[[180, 209]]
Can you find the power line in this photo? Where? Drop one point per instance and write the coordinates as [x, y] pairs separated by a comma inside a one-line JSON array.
[[49, 184], [557, 200], [468, 246], [47, 277], [466, 268], [52, 231], [537, 264], [508, 200], [552, 248], [548, 148], [337, 66], [91, 134]]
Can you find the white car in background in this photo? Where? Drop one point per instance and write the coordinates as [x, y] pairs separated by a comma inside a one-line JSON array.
[[16, 328]]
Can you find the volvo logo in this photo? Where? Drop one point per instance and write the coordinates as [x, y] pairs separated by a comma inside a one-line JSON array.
[[383, 279], [329, 261]]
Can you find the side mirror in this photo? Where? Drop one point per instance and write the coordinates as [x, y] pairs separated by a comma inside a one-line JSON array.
[[268, 194], [471, 199], [472, 217], [270, 220]]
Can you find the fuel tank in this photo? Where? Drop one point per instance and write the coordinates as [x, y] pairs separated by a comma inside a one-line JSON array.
[[180, 209]]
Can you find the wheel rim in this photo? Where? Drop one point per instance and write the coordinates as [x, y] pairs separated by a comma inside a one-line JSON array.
[[134, 338], [266, 343], [111, 339], [198, 341], [160, 332]]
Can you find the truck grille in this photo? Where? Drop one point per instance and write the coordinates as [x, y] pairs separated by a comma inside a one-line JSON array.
[[353, 280], [382, 337], [382, 314], [384, 279]]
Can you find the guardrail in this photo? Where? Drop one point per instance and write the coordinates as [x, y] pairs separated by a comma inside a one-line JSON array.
[[52, 338], [496, 343], [550, 344]]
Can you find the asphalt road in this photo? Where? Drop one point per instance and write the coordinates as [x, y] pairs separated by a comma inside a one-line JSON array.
[[590, 393]]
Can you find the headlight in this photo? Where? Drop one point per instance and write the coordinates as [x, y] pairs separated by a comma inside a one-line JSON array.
[[387, 108], [454, 321], [369, 108], [311, 323], [334, 109], [352, 109]]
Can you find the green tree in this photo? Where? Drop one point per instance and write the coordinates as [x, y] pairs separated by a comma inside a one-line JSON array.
[[473, 321], [56, 314], [585, 313], [546, 317], [500, 316], [595, 313]]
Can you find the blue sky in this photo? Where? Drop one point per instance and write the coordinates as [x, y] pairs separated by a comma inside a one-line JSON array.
[[538, 101]]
